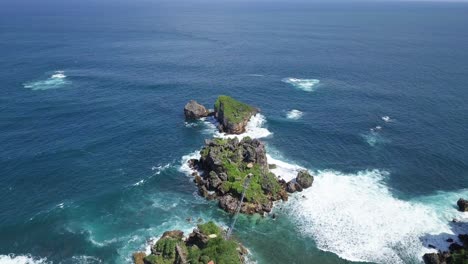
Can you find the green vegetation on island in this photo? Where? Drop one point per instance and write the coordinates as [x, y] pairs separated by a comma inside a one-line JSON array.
[[205, 245]]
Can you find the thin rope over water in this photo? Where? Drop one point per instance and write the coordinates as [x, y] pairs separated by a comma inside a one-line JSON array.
[[246, 185]]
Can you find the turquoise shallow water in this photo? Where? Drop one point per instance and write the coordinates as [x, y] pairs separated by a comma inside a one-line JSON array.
[[93, 136]]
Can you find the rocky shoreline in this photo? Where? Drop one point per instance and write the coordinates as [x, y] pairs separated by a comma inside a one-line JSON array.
[[457, 252]]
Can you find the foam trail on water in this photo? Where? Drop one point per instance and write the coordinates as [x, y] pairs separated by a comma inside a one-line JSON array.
[[55, 81], [21, 259], [294, 114], [357, 217], [373, 137], [307, 85]]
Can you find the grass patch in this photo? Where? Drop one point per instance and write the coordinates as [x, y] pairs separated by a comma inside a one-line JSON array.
[[233, 110]]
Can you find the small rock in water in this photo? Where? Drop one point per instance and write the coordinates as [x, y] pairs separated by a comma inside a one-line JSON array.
[[462, 205], [194, 110], [450, 240]]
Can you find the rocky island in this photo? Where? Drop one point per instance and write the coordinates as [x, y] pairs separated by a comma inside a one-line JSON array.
[[232, 170], [231, 114], [205, 245]]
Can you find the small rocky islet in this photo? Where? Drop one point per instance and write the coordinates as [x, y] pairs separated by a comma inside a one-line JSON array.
[[207, 244]]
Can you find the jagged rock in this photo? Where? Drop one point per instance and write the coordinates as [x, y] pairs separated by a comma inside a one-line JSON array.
[[431, 258], [176, 234], [463, 238], [197, 238], [304, 179], [194, 110], [138, 257], [455, 247], [291, 187], [228, 203], [232, 115], [214, 180], [462, 205]]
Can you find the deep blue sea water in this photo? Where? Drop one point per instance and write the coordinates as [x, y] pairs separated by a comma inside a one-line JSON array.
[[92, 132]]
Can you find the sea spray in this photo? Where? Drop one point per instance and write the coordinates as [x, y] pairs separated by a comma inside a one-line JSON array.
[[307, 85], [357, 217], [294, 114], [55, 81]]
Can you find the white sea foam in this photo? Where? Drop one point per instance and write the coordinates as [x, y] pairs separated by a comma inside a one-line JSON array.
[[157, 170], [184, 166], [294, 114], [284, 170], [357, 217], [21, 259], [254, 129], [307, 85], [387, 119], [55, 81]]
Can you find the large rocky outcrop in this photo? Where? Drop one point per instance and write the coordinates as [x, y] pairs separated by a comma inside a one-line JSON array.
[[233, 115], [201, 246], [226, 164], [194, 110]]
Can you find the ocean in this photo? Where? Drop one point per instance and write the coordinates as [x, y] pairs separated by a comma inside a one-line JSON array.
[[368, 96]]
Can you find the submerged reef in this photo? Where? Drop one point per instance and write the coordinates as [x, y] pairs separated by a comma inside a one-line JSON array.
[[207, 244]]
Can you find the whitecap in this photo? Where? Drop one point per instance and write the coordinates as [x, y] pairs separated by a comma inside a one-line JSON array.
[[55, 81], [387, 119], [307, 85], [357, 217], [294, 114], [283, 170], [21, 259], [160, 168]]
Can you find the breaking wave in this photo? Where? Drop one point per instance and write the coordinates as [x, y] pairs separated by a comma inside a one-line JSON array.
[[294, 114], [21, 259], [357, 217], [307, 85], [55, 81]]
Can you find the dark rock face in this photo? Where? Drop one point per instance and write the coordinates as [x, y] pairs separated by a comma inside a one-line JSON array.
[[431, 258], [462, 205], [228, 203], [304, 179], [194, 110], [175, 234]]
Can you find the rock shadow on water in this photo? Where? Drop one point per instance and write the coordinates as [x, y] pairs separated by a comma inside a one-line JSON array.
[[447, 247]]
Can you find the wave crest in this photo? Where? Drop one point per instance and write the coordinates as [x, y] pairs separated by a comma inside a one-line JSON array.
[[55, 81], [307, 85], [357, 217]]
